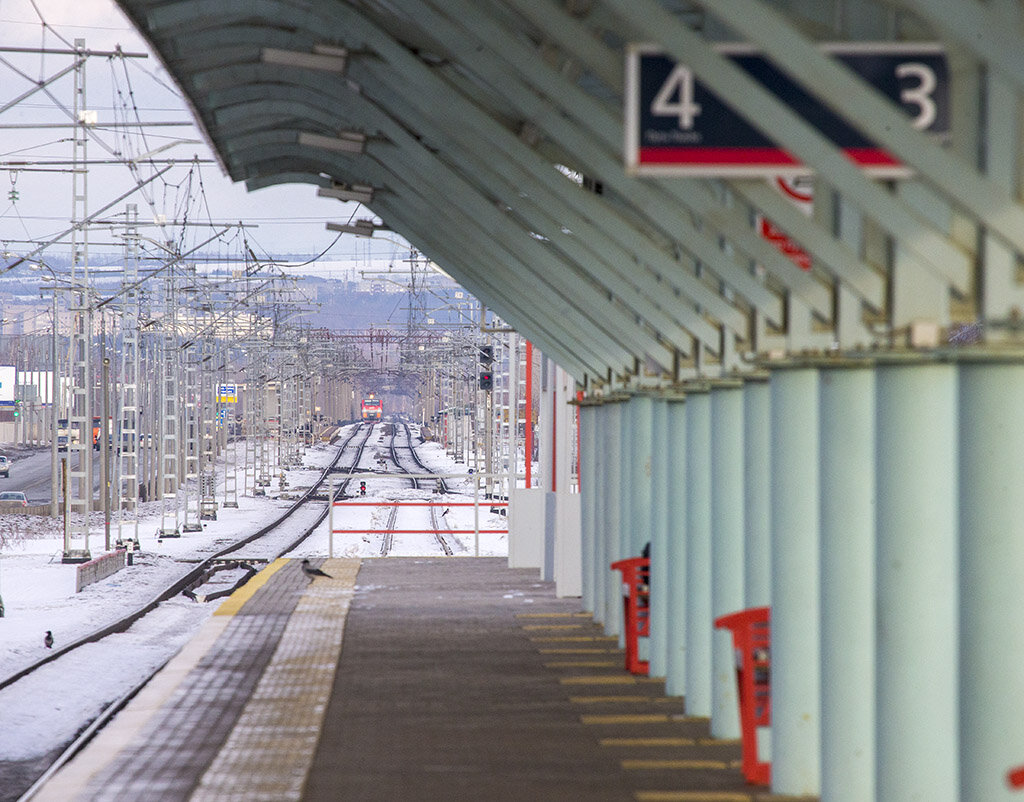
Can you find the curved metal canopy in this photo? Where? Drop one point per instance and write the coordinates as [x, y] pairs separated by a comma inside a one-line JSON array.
[[489, 134]]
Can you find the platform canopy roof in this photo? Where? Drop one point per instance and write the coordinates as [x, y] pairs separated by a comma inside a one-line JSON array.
[[490, 134]]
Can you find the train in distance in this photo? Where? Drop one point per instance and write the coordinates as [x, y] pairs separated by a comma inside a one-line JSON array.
[[372, 408]]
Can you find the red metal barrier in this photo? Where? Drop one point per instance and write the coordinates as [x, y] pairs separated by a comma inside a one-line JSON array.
[[751, 638], [1015, 777], [636, 602]]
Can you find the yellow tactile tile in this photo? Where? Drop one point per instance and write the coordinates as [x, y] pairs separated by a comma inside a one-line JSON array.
[[551, 627], [576, 639], [638, 764], [636, 718], [600, 700], [269, 752], [553, 615], [600, 679], [234, 602], [648, 742], [692, 796]]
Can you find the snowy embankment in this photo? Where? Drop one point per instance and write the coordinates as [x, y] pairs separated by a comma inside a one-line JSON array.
[[38, 591]]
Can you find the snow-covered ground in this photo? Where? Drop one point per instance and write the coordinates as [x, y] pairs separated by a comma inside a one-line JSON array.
[[38, 591]]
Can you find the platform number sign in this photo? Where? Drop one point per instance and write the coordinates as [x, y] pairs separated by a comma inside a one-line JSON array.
[[675, 125]]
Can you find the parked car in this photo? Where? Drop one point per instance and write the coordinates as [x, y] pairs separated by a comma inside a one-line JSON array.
[[5, 466], [13, 498]]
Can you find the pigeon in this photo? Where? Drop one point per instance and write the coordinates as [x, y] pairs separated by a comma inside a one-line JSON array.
[[48, 640], [312, 572]]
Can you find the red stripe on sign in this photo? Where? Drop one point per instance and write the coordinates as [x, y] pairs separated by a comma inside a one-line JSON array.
[[717, 156], [871, 157], [766, 157]]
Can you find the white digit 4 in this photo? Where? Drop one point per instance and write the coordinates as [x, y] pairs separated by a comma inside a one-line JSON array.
[[675, 98]]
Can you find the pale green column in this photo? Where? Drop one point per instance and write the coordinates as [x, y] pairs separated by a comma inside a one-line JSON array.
[[698, 551], [613, 500], [659, 576], [757, 492], [847, 423], [675, 646], [991, 575], [795, 652], [727, 562], [588, 495]]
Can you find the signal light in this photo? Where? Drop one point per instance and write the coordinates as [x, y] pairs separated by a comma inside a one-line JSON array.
[[486, 354], [362, 488], [486, 380]]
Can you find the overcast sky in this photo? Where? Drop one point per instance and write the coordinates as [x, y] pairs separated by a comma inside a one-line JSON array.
[[287, 219]]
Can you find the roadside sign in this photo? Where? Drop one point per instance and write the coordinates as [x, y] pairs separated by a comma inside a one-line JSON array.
[[675, 125], [227, 394]]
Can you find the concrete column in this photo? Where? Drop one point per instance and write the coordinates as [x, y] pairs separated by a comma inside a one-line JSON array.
[[847, 421], [601, 412], [588, 477], [659, 538], [640, 488], [675, 574], [567, 565], [612, 523], [757, 492], [726, 548], [796, 699], [917, 749], [698, 551], [991, 574]]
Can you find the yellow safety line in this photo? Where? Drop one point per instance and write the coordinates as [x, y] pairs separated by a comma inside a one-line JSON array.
[[601, 679], [599, 700], [651, 765], [691, 796], [552, 626], [577, 651], [574, 639], [233, 603], [585, 664], [638, 718], [633, 742], [553, 615]]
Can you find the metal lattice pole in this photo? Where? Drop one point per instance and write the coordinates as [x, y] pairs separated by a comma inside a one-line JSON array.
[[169, 417], [126, 484], [78, 492]]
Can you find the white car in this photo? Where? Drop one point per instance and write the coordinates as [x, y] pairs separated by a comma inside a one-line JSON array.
[[5, 467], [13, 498]]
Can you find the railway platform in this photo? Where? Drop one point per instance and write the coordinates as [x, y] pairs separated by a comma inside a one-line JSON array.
[[403, 679]]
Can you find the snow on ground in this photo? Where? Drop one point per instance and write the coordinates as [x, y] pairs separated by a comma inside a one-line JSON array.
[[39, 591]]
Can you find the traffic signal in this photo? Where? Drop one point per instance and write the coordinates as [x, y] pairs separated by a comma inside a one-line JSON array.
[[486, 380], [362, 488], [486, 354]]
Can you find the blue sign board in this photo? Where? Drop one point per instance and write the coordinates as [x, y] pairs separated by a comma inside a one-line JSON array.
[[677, 125]]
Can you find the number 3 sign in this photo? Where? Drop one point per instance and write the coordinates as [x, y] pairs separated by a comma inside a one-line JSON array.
[[677, 126]]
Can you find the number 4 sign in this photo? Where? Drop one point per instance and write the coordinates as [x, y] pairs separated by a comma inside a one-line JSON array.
[[675, 125]]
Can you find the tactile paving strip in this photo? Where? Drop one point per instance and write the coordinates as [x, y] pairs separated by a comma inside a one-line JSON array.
[[173, 751], [268, 754]]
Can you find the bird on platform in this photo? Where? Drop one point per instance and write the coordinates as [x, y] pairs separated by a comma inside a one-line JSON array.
[[48, 640], [312, 572]]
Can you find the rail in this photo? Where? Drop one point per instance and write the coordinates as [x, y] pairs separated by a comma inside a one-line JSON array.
[[475, 503]]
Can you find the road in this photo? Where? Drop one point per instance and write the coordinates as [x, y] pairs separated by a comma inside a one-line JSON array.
[[30, 472]]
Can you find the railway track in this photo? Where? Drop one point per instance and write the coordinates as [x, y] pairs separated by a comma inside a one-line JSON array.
[[188, 583], [419, 466]]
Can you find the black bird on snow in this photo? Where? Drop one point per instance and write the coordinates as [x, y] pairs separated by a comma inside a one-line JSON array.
[[48, 640], [312, 572]]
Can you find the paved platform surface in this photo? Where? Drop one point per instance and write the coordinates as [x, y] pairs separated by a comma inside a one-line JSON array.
[[415, 679]]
